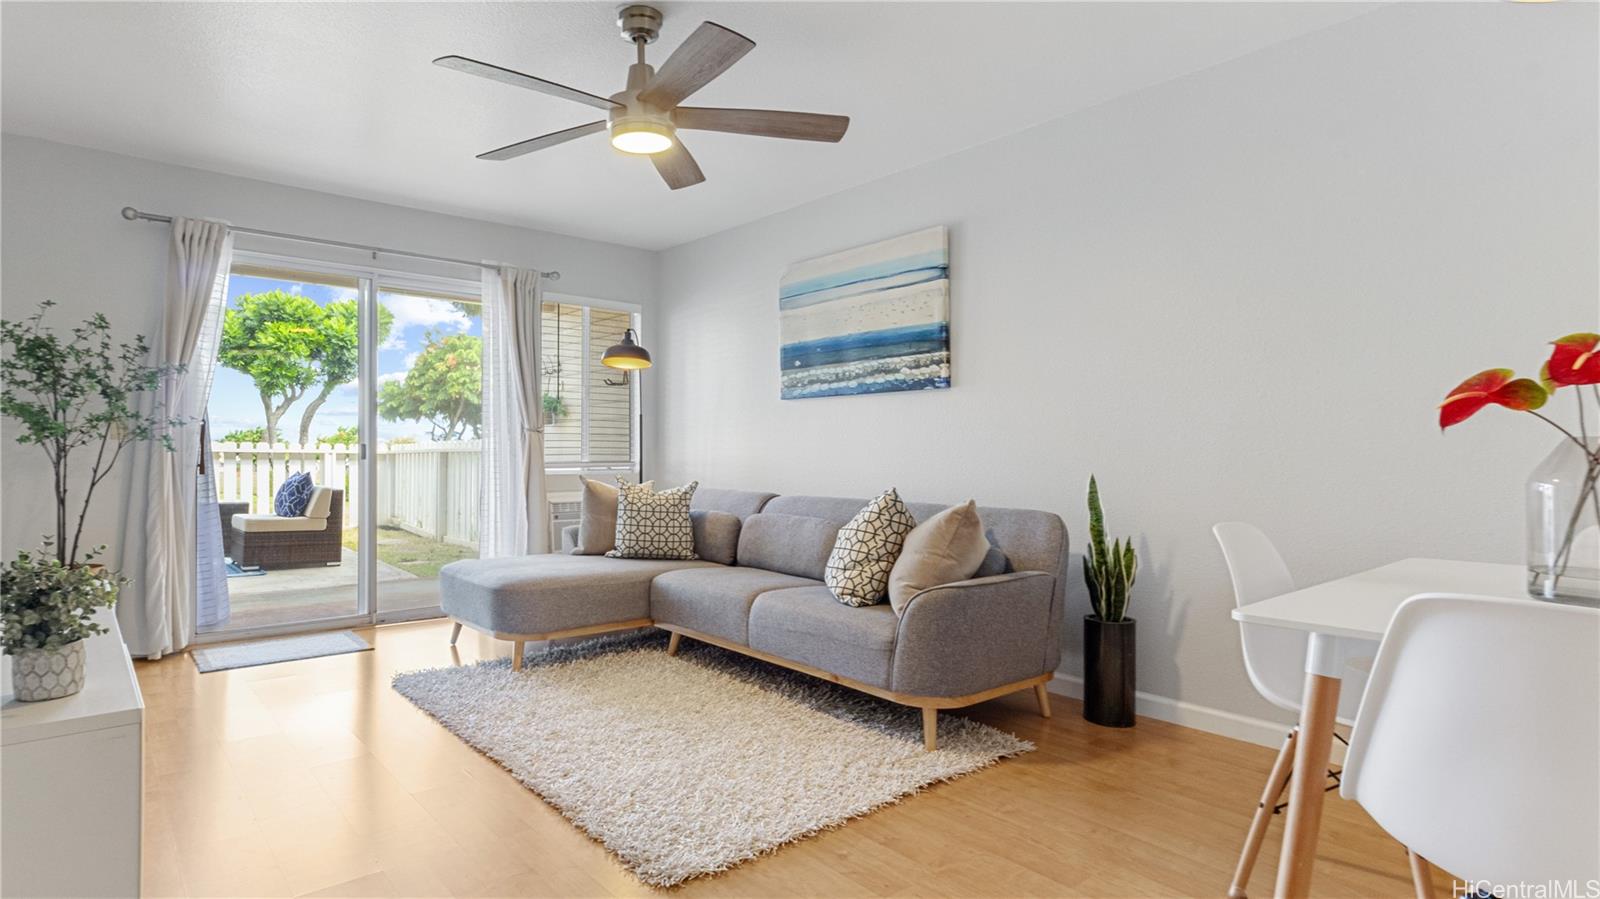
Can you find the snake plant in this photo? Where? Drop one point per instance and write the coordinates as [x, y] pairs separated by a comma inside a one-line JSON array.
[[1109, 572]]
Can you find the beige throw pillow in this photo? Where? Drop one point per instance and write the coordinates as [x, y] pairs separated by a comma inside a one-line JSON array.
[[597, 523], [946, 548]]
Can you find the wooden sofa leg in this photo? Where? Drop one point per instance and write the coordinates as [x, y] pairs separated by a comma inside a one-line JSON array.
[[455, 633], [672, 643], [930, 729], [516, 655], [1043, 695]]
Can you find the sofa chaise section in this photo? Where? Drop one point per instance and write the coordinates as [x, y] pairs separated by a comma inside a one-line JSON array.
[[545, 597]]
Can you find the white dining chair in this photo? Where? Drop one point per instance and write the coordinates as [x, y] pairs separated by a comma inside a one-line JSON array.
[[1478, 742], [1275, 660]]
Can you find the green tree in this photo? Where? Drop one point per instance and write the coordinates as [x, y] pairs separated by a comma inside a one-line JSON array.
[[273, 337], [289, 346], [248, 435], [443, 388], [339, 357], [349, 435]]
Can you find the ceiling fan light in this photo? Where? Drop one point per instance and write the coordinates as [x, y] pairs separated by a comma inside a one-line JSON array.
[[641, 138]]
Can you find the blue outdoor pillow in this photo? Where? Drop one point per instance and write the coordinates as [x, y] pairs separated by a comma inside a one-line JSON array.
[[293, 496]]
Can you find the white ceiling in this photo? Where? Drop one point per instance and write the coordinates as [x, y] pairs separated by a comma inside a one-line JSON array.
[[341, 97]]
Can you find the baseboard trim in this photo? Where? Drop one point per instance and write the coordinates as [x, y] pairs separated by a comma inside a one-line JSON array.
[[1187, 714]]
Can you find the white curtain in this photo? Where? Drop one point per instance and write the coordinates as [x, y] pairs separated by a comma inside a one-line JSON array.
[[211, 569], [157, 611], [514, 520]]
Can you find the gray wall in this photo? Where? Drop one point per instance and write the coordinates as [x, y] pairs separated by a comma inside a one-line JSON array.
[[64, 241], [1236, 295]]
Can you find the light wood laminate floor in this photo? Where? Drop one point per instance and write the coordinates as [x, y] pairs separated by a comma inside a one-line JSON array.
[[315, 778]]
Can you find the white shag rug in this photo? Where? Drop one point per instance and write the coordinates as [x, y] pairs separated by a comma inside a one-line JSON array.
[[689, 765]]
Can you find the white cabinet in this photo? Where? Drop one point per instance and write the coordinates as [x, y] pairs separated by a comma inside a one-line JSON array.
[[71, 782]]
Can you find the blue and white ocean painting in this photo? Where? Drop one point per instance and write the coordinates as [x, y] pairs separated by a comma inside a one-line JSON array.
[[874, 319]]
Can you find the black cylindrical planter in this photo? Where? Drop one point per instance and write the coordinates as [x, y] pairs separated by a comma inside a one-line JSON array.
[[1108, 669]]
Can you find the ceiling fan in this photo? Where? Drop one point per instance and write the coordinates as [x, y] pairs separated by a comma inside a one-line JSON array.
[[644, 118]]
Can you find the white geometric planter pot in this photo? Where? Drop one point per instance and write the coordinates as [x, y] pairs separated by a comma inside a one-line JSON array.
[[38, 674]]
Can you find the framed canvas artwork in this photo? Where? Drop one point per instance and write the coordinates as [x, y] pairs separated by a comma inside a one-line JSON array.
[[874, 319]]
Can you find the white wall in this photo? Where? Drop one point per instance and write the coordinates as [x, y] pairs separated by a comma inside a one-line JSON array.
[[64, 240], [1237, 295]]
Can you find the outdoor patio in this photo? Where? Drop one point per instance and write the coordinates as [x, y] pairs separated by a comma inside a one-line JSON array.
[[427, 512]]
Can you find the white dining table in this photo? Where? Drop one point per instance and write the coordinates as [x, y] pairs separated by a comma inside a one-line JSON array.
[[1343, 618]]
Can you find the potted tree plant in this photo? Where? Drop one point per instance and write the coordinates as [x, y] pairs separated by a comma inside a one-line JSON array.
[[75, 398], [1108, 632]]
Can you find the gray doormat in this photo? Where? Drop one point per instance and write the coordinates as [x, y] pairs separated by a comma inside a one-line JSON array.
[[268, 652]]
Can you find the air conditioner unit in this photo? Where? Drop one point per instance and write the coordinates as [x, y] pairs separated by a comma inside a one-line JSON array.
[[562, 514]]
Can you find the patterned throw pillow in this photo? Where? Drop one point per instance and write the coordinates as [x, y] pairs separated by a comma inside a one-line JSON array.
[[653, 525], [865, 550], [294, 494]]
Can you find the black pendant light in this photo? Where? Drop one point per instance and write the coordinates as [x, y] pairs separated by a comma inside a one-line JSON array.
[[626, 355]]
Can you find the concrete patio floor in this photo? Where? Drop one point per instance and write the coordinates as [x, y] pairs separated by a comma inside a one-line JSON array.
[[289, 595]]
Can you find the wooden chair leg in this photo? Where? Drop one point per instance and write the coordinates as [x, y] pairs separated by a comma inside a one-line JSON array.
[[672, 643], [930, 729], [1043, 695], [516, 655], [1276, 781], [455, 633], [1421, 875]]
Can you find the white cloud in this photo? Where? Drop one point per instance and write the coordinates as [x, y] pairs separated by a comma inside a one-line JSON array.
[[391, 376], [411, 359], [418, 311]]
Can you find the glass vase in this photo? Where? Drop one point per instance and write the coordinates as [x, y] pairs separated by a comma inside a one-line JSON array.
[[1564, 526]]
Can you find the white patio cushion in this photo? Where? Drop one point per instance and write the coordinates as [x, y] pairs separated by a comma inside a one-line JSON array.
[[321, 503], [261, 524]]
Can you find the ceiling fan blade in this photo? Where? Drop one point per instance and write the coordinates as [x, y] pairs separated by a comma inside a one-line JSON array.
[[677, 167], [517, 79], [524, 147], [763, 122], [703, 56]]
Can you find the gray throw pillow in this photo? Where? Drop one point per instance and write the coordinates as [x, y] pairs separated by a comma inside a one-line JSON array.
[[716, 536], [788, 544], [653, 525]]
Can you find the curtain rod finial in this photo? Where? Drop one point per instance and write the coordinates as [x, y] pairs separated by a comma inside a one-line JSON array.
[[129, 213]]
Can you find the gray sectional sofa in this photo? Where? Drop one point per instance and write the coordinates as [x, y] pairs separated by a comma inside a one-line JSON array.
[[758, 590]]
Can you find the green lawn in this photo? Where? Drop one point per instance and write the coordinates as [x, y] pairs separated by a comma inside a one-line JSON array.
[[411, 553]]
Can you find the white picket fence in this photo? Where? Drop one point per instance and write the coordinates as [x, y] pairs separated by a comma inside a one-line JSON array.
[[430, 489]]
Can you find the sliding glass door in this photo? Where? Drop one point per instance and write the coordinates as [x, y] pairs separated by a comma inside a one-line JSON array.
[[341, 466], [282, 481], [429, 405]]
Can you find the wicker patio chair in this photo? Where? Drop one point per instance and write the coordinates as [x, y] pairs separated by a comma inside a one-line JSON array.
[[272, 541]]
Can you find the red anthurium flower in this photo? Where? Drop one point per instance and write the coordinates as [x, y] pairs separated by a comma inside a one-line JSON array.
[[1574, 361], [1496, 386]]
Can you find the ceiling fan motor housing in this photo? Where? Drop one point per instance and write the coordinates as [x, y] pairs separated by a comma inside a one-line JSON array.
[[639, 23], [635, 115]]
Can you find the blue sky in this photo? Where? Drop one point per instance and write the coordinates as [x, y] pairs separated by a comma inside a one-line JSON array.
[[235, 402]]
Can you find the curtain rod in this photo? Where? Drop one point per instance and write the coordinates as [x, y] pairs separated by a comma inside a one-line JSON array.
[[132, 215]]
